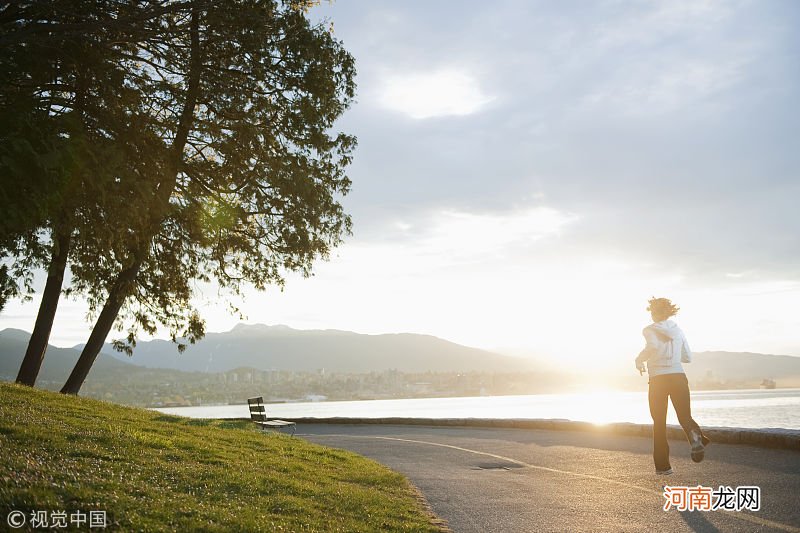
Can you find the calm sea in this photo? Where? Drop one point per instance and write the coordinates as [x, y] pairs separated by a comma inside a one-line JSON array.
[[778, 408]]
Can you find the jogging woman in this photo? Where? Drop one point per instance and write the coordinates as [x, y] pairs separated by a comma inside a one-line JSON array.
[[666, 349]]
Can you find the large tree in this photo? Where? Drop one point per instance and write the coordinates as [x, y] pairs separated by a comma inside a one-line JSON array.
[[198, 148], [248, 94], [74, 126]]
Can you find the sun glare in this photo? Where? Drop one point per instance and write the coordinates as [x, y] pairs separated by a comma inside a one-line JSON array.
[[602, 406]]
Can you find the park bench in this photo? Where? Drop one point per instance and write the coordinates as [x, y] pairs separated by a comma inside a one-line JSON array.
[[259, 416]]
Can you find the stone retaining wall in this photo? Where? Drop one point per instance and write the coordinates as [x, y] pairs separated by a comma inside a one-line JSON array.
[[769, 438]]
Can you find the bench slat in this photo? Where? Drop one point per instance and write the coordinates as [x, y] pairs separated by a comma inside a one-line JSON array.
[[275, 423]]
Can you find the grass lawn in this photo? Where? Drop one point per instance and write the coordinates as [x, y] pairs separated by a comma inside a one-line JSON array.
[[154, 472]]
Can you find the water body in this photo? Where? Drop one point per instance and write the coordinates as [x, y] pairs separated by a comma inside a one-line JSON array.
[[778, 408]]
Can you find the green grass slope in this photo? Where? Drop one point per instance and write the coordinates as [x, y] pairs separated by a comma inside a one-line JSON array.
[[153, 472]]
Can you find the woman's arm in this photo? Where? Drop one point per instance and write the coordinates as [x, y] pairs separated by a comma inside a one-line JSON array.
[[686, 352], [650, 349]]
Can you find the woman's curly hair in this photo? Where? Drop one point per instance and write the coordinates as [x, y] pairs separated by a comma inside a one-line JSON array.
[[662, 307]]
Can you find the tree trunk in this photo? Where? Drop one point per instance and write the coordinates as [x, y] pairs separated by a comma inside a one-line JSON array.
[[116, 297], [37, 345], [121, 288]]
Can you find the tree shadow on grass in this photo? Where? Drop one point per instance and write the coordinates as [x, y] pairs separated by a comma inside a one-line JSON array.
[[232, 424], [168, 418], [205, 422]]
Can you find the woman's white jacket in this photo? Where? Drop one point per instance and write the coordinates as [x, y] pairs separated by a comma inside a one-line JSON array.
[[665, 350]]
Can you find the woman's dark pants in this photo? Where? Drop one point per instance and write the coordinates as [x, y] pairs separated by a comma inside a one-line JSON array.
[[662, 387]]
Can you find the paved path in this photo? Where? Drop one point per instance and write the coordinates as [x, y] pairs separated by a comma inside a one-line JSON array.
[[511, 480]]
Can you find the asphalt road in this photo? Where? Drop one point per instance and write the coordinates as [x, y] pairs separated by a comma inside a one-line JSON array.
[[515, 480]]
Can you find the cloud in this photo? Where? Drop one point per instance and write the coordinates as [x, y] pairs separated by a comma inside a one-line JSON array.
[[661, 89], [477, 236], [446, 239], [439, 93], [643, 24]]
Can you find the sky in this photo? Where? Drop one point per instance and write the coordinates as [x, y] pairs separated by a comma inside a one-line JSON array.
[[529, 173]]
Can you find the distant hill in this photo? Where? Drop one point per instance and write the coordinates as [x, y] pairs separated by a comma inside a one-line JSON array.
[[727, 370], [58, 362], [283, 348], [736, 366]]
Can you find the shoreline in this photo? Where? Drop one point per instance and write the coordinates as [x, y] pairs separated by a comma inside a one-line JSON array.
[[753, 411], [576, 392], [787, 439]]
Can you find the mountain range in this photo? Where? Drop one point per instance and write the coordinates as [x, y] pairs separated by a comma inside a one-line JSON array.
[[280, 348], [283, 348]]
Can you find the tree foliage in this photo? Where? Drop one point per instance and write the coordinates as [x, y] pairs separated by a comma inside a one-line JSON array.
[[255, 193], [198, 145], [73, 124], [69, 116]]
